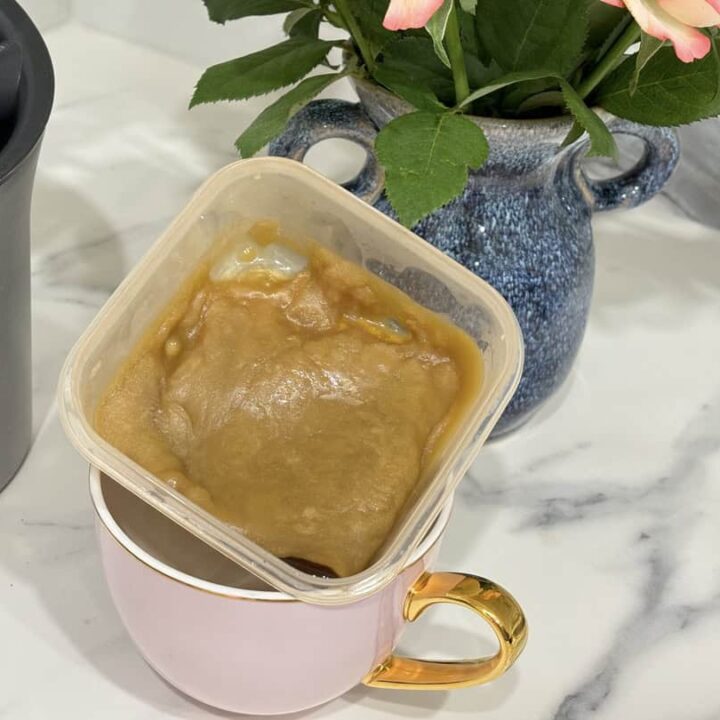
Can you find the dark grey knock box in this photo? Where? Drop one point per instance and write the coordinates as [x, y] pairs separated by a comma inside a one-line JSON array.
[[26, 93]]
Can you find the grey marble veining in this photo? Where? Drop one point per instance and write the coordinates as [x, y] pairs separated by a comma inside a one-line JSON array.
[[655, 617]]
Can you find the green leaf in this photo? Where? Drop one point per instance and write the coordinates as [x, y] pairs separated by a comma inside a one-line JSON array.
[[606, 24], [415, 57], [469, 6], [436, 27], [479, 74], [426, 159], [272, 121], [716, 55], [369, 15], [668, 92], [602, 142], [520, 94], [475, 50], [220, 11], [575, 133], [260, 72], [419, 97], [527, 34], [545, 100], [649, 45], [303, 22], [504, 81]]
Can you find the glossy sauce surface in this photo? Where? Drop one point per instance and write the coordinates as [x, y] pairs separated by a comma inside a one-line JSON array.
[[294, 395]]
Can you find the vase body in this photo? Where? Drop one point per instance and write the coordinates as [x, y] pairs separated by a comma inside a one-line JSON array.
[[522, 222]]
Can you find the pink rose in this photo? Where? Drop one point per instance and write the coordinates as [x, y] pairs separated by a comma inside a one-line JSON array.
[[677, 21], [407, 14]]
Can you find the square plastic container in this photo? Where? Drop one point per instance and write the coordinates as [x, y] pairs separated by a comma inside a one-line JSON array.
[[306, 204]]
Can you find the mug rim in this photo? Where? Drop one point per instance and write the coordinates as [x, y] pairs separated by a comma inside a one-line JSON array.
[[139, 553]]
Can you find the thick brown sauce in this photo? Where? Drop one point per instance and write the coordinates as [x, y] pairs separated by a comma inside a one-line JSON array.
[[302, 409]]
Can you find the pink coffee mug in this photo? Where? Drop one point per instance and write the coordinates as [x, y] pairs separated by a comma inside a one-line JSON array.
[[202, 623]]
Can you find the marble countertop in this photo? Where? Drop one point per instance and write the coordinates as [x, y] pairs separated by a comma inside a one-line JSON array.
[[602, 515]]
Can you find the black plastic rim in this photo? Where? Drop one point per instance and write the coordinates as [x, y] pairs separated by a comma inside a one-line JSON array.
[[37, 87]]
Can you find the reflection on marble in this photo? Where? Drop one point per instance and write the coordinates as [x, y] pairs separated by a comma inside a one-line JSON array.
[[180, 27], [47, 14], [696, 184], [602, 515]]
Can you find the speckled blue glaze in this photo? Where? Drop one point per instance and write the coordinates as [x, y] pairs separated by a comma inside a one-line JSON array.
[[522, 223]]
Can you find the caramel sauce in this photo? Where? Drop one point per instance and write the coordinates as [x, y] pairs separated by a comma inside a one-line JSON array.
[[302, 406]]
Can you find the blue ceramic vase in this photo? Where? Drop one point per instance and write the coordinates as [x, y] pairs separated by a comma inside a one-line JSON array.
[[522, 223]]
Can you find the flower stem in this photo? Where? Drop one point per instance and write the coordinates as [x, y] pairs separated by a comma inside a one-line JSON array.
[[333, 18], [456, 56], [342, 6], [609, 61]]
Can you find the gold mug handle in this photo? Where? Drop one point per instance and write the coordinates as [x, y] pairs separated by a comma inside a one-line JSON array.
[[493, 603]]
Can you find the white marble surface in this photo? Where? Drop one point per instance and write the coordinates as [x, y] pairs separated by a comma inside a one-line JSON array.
[[602, 515], [177, 27], [47, 14]]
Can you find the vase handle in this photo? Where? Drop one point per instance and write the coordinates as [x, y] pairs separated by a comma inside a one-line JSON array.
[[646, 178], [324, 119]]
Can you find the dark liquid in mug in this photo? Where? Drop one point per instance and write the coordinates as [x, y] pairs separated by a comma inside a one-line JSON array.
[[310, 568]]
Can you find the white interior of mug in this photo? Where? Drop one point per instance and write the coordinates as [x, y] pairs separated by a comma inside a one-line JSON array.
[[167, 548]]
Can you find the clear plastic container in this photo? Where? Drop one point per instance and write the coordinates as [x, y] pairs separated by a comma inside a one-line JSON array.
[[305, 204]]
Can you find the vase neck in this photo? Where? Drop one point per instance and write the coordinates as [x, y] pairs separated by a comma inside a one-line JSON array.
[[515, 150], [517, 147]]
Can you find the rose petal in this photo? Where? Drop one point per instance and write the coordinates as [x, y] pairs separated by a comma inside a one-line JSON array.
[[696, 13], [617, 3], [690, 44], [407, 14]]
